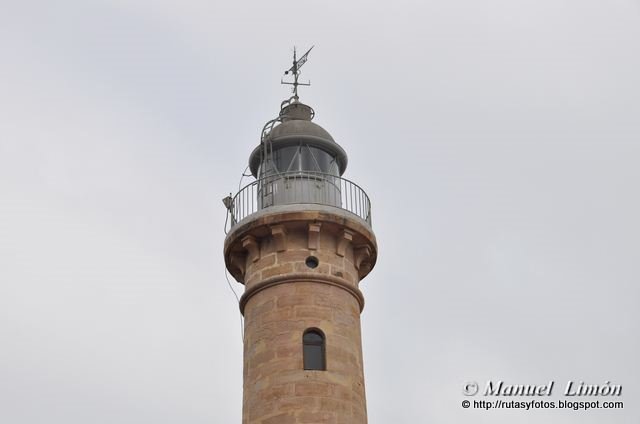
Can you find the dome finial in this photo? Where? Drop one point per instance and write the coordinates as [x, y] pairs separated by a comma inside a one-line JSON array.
[[295, 70]]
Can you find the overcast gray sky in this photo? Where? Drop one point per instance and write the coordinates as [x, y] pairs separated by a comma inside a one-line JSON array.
[[499, 142]]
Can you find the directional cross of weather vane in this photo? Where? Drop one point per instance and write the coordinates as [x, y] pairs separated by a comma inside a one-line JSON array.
[[295, 70]]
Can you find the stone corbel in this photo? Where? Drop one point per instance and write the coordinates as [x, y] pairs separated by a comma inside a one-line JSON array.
[[361, 256], [344, 238], [252, 247], [238, 262], [314, 235], [279, 234]]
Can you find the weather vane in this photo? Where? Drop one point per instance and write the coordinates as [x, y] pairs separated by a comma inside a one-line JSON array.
[[295, 70]]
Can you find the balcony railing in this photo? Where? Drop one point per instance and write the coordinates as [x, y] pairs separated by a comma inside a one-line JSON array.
[[290, 188]]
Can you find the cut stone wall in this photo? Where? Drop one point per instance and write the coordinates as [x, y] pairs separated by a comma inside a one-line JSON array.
[[276, 387], [283, 298]]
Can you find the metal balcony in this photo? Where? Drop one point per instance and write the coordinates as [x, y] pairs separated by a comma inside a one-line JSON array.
[[300, 187]]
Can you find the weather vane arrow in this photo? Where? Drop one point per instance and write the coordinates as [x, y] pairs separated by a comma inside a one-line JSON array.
[[295, 70]]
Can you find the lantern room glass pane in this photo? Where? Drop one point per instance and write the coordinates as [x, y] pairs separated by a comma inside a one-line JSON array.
[[286, 159], [304, 157], [316, 160]]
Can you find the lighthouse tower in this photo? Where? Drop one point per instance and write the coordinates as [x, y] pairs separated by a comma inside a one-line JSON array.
[[300, 241]]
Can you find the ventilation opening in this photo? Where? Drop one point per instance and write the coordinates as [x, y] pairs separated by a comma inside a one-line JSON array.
[[312, 262]]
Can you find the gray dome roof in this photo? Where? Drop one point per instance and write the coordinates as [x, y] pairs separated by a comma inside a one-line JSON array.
[[297, 128]]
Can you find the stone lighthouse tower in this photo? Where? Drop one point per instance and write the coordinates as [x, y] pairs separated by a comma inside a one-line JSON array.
[[300, 240]]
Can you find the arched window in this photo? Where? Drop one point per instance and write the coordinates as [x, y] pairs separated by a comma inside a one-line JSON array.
[[313, 350]]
